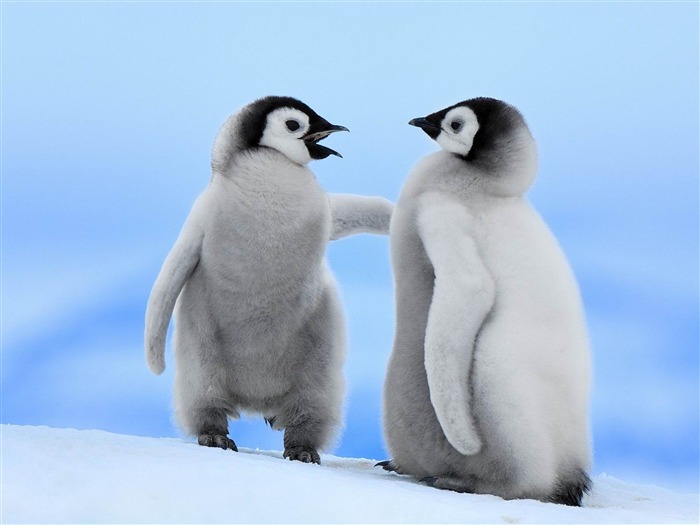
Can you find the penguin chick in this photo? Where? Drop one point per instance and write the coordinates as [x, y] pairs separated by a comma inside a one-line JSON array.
[[258, 321], [487, 385]]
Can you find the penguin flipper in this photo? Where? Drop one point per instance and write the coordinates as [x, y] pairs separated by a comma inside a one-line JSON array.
[[353, 214], [176, 271], [463, 295]]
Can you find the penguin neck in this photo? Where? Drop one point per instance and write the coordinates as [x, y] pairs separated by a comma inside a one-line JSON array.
[[454, 174], [265, 169], [511, 170]]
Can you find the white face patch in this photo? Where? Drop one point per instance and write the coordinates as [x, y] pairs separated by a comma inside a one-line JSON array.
[[283, 132], [457, 130]]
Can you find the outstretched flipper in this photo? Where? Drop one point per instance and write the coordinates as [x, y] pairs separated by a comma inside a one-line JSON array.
[[176, 270], [463, 295], [353, 214]]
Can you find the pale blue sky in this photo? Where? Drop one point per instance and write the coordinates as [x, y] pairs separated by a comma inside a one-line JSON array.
[[109, 111]]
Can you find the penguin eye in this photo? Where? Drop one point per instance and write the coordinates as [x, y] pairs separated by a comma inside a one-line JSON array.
[[292, 125], [456, 125]]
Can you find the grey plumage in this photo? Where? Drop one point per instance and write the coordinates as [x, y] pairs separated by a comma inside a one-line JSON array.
[[487, 384], [258, 322]]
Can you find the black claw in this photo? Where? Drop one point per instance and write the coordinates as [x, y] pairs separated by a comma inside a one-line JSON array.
[[429, 480], [389, 466], [270, 421]]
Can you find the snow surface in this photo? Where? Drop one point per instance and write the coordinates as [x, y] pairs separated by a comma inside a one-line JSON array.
[[52, 475]]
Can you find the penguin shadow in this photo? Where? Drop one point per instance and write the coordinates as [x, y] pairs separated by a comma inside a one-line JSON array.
[[359, 466]]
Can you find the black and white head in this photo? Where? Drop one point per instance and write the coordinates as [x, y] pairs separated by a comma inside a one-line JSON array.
[[281, 123], [482, 130]]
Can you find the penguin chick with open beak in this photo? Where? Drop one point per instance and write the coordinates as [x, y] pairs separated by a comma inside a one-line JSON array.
[[258, 321]]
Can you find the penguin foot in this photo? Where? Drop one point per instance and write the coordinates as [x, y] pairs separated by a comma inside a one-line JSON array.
[[303, 454], [217, 440], [445, 483], [271, 421], [389, 466]]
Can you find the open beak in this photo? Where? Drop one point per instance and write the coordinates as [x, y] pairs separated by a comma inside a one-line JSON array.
[[319, 132], [433, 130]]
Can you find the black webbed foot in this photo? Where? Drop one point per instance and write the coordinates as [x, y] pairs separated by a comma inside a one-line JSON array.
[[303, 454], [429, 480], [450, 483], [217, 440]]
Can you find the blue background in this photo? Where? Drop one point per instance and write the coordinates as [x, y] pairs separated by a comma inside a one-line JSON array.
[[109, 111]]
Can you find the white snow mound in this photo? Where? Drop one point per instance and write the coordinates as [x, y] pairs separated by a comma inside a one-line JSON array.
[[52, 475]]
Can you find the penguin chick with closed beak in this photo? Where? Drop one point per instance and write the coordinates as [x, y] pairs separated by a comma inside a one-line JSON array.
[[487, 385], [258, 321]]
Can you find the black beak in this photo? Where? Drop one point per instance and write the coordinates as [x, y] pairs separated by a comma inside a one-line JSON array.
[[319, 131], [315, 136], [432, 129]]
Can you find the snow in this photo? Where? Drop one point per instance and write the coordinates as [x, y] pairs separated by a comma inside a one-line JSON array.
[[52, 475]]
